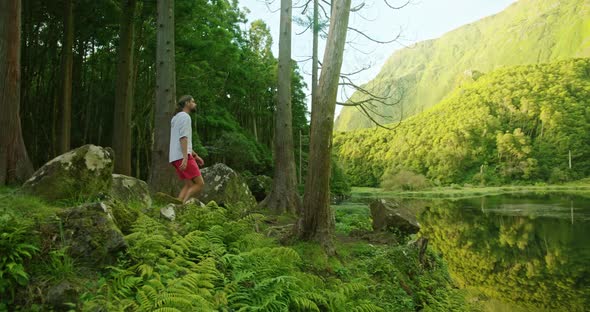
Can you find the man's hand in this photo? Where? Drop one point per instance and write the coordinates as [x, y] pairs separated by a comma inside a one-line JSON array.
[[183, 163], [199, 160]]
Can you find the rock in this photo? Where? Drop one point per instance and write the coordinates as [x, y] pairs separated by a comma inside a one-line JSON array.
[[84, 171], [129, 189], [224, 186], [389, 216], [194, 201], [124, 215], [168, 212], [62, 295], [164, 198], [92, 234], [259, 186]]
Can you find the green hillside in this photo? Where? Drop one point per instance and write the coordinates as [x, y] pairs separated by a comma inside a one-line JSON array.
[[513, 124], [528, 32]]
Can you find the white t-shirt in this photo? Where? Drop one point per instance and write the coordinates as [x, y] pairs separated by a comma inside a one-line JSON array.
[[180, 127]]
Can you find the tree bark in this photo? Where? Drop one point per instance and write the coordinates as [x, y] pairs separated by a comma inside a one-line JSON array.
[[162, 176], [122, 132], [15, 166], [283, 196], [317, 219], [314, 57], [67, 65]]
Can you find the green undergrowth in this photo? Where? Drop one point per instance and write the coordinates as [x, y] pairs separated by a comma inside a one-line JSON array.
[[213, 259]]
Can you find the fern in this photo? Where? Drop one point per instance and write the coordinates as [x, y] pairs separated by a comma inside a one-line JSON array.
[[14, 236]]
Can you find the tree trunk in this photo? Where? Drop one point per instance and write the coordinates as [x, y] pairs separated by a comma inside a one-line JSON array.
[[317, 219], [162, 176], [124, 91], [66, 95], [314, 57], [15, 166], [283, 196]]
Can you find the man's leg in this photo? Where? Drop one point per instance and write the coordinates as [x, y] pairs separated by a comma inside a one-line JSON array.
[[197, 185], [185, 188]]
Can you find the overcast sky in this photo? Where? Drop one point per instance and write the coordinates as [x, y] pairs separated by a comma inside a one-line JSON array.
[[421, 20]]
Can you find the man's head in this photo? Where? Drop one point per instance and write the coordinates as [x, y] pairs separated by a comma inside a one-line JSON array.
[[187, 102]]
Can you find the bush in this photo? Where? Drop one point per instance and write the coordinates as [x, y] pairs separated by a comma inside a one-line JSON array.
[[404, 179], [339, 184]]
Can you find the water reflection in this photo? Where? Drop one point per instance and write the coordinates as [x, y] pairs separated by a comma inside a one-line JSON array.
[[529, 250]]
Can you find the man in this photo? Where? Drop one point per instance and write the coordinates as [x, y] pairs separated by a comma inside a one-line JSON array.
[[181, 154]]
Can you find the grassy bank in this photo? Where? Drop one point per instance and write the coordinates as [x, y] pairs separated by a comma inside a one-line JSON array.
[[358, 193]]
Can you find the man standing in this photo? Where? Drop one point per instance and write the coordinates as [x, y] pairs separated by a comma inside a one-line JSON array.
[[181, 154]]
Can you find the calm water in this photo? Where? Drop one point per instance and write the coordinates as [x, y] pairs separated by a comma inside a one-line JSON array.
[[514, 252]]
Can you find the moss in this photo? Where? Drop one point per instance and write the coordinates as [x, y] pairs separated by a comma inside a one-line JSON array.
[[73, 175]]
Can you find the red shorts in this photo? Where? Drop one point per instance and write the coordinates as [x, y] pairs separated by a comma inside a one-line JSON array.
[[190, 172]]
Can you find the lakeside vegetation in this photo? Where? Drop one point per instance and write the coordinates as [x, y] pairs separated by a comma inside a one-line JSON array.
[[213, 259], [467, 191]]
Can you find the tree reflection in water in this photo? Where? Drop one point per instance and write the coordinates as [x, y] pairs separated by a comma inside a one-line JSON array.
[[529, 250]]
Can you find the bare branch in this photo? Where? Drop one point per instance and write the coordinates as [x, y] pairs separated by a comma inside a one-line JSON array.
[[268, 3], [374, 40], [356, 72], [303, 31], [397, 7], [358, 7], [304, 6], [324, 10]]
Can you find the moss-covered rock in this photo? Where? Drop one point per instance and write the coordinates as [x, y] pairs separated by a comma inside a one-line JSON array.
[[259, 186], [130, 190], [82, 172], [226, 187], [124, 214], [389, 215], [92, 234]]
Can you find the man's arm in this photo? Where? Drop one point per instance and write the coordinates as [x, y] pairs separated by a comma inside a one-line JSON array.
[[184, 148]]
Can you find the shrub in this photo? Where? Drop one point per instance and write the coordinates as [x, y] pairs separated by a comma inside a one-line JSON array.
[[403, 179]]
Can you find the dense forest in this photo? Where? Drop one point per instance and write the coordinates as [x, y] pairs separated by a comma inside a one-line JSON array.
[[418, 77], [223, 60], [514, 124]]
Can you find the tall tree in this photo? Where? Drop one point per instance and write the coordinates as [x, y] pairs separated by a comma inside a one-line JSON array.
[[67, 55], [15, 166], [317, 219], [124, 90], [314, 57], [162, 176], [283, 196]]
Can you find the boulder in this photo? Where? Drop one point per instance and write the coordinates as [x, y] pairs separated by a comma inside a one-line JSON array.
[[226, 187], [82, 172], [391, 216], [92, 234], [129, 189], [168, 212], [62, 295], [163, 198], [259, 186]]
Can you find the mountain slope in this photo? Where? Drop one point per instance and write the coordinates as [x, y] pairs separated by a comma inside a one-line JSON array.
[[528, 32], [513, 124]]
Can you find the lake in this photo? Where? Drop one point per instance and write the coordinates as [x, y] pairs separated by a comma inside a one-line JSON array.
[[520, 252]]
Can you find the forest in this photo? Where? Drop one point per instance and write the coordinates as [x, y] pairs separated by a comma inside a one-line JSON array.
[[527, 124], [418, 77]]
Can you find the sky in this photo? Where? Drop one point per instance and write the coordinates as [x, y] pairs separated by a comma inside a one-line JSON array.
[[420, 20]]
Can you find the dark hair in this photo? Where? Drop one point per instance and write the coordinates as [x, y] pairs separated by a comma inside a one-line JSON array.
[[182, 102]]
